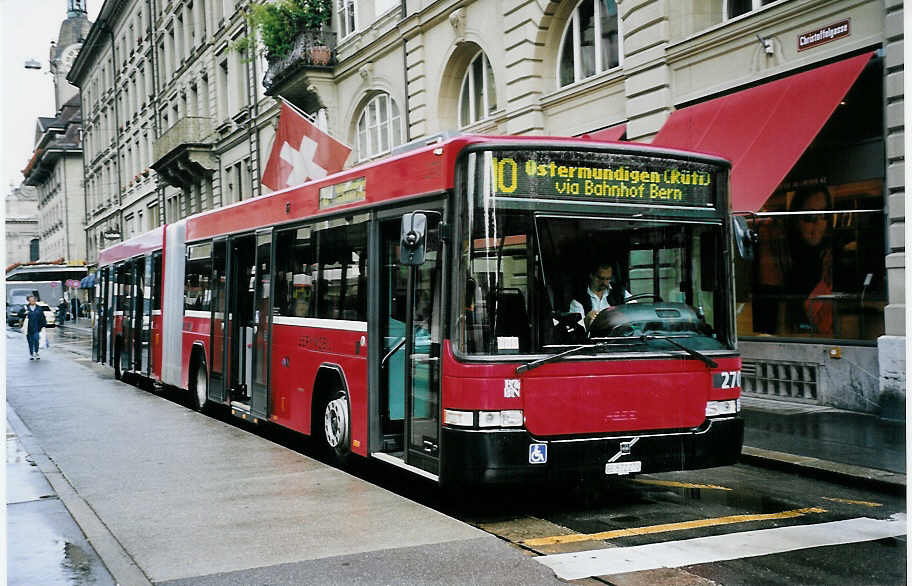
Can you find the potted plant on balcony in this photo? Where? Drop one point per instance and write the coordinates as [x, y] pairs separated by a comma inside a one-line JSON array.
[[280, 23]]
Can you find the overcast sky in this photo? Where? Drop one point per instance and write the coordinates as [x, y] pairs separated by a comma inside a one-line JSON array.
[[27, 28]]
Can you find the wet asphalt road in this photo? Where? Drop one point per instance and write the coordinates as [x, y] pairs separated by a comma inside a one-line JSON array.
[[743, 504]]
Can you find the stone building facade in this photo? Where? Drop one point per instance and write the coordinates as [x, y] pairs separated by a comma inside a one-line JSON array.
[[55, 171], [22, 243], [55, 168], [175, 119]]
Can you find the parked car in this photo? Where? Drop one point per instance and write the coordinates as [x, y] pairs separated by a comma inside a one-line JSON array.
[[14, 305], [16, 312]]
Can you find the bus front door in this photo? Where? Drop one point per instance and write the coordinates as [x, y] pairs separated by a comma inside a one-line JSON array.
[[410, 352], [219, 313], [239, 327]]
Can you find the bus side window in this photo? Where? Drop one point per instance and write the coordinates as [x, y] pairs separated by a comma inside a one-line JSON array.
[[341, 289], [294, 278]]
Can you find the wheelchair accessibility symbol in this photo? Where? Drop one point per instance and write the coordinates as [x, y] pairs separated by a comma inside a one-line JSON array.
[[538, 453]]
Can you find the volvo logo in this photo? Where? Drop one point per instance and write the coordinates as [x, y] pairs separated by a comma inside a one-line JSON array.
[[625, 449]]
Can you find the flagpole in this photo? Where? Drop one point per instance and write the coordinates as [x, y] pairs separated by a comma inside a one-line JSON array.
[[313, 120], [310, 118]]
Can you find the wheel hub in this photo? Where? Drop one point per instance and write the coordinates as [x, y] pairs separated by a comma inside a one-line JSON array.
[[336, 422]]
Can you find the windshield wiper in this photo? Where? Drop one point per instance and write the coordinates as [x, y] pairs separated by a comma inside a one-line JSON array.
[[561, 355], [671, 340], [620, 341]]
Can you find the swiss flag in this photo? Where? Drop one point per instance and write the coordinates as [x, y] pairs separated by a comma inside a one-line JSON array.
[[301, 152]]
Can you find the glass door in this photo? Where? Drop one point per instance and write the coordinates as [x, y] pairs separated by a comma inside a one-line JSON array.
[[240, 323], [219, 298], [410, 354], [262, 311], [144, 272]]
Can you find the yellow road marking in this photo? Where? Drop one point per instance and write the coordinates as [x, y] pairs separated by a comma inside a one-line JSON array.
[[669, 527], [851, 502], [674, 484]]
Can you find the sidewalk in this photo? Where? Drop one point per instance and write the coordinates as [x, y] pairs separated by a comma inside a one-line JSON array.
[[825, 442], [47, 546], [169, 496], [83, 324]]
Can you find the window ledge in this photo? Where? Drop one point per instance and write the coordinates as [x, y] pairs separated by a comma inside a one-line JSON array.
[[613, 75]]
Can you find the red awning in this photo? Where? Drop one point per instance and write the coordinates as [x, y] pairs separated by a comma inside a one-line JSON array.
[[765, 129], [612, 133]]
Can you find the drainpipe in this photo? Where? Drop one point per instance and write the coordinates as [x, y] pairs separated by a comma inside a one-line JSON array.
[[408, 125], [66, 209], [104, 25], [152, 10]]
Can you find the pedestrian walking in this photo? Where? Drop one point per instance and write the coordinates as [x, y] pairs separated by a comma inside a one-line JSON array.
[[34, 323]]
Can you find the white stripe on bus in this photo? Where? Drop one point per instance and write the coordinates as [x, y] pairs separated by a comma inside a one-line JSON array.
[[326, 324], [197, 313]]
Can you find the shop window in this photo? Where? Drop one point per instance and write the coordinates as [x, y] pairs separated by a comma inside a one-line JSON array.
[[819, 269], [478, 94], [379, 127], [591, 41]]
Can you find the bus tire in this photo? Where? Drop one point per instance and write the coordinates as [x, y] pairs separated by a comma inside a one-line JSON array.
[[199, 385], [118, 370], [335, 425]]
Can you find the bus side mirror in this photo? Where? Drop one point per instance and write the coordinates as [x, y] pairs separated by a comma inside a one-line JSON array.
[[412, 241], [745, 238]]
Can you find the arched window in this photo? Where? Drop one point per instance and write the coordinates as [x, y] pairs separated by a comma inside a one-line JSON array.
[[33, 250], [590, 44], [478, 96], [379, 127]]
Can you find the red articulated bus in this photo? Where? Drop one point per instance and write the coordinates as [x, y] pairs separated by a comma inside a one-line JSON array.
[[478, 310]]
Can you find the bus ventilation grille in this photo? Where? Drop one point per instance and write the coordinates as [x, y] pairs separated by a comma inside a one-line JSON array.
[[787, 380]]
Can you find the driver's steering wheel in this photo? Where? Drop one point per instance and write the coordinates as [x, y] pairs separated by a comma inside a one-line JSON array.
[[652, 296]]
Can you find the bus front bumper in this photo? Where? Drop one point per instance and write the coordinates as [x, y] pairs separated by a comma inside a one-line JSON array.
[[513, 456]]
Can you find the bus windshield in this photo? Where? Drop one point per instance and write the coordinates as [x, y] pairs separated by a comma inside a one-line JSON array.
[[541, 281]]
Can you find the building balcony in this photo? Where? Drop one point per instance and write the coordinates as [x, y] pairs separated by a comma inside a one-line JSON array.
[[313, 50], [184, 153]]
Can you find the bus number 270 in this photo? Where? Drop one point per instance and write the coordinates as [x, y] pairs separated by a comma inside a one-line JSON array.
[[727, 379]]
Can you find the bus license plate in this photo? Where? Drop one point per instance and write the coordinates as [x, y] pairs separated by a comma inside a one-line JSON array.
[[621, 468]]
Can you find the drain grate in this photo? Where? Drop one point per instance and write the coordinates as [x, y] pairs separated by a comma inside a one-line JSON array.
[[788, 380]]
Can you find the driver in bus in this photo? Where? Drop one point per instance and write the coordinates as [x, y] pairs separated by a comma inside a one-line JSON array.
[[602, 293]]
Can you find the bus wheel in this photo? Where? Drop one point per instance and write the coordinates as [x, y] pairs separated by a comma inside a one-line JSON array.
[[336, 426], [199, 386]]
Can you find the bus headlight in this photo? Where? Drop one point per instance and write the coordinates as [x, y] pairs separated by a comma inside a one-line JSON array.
[[460, 418], [714, 408], [507, 418], [489, 419], [486, 419], [512, 418]]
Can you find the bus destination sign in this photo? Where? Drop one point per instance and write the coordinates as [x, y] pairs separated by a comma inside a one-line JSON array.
[[602, 177]]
